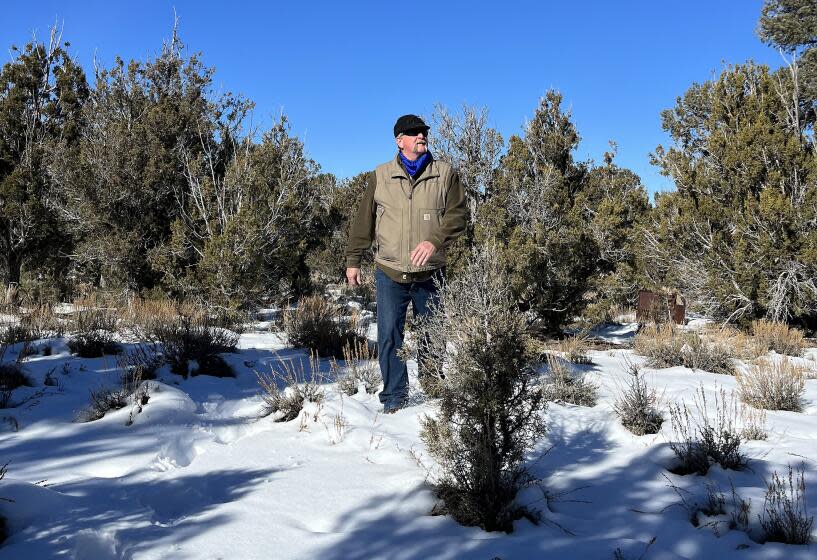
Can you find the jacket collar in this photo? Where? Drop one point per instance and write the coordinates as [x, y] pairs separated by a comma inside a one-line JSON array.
[[397, 171]]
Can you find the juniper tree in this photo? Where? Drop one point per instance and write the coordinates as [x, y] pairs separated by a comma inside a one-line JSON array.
[[327, 260], [41, 95], [467, 142], [615, 207], [248, 214], [490, 396], [473, 149], [563, 226], [117, 196], [791, 25]]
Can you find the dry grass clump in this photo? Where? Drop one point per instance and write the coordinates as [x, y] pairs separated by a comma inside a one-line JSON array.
[[754, 424], [42, 322], [562, 386], [93, 332], [103, 400], [779, 337], [339, 427], [285, 392], [764, 336], [708, 356], [704, 440], [772, 384], [142, 318], [359, 369], [576, 348], [785, 516], [13, 333], [636, 406], [191, 336], [739, 343], [665, 346], [30, 326], [661, 344], [316, 324]]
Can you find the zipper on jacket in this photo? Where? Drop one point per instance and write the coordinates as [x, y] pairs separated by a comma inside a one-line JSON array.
[[411, 223]]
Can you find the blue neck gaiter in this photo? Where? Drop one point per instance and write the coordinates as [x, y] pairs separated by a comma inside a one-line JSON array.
[[415, 167]]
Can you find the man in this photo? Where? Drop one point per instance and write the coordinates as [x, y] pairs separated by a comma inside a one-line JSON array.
[[412, 209]]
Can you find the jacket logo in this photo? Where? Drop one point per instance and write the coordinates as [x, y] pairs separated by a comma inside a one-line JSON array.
[[427, 217]]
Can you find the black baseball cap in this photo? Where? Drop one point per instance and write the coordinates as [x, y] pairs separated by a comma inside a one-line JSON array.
[[407, 123]]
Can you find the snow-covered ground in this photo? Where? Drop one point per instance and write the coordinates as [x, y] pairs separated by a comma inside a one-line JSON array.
[[200, 474]]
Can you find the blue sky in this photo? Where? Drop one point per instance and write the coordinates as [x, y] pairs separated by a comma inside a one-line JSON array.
[[343, 71]]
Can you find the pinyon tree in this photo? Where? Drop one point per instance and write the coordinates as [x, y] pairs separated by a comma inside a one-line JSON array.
[[739, 235]]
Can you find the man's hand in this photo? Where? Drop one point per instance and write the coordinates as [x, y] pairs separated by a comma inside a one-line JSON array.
[[353, 276], [421, 253]]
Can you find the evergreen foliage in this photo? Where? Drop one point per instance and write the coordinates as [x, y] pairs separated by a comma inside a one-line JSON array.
[[162, 187], [247, 217], [327, 261], [566, 228], [41, 94], [115, 190], [791, 25], [737, 235], [149, 181], [490, 397]]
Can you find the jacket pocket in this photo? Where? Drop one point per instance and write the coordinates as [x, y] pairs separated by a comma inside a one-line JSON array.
[[428, 222], [388, 228]]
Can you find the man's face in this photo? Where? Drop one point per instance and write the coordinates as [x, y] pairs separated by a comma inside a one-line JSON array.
[[413, 143]]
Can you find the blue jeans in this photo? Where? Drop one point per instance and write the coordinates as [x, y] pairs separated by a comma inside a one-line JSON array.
[[392, 303]]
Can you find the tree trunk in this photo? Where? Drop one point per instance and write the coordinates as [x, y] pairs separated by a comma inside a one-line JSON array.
[[14, 265]]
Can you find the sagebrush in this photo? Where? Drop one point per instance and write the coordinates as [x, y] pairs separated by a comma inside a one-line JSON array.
[[561, 385], [785, 516], [702, 439], [359, 368], [637, 405], [286, 390], [193, 339]]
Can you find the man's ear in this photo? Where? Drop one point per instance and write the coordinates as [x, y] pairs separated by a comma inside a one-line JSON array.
[[399, 141]]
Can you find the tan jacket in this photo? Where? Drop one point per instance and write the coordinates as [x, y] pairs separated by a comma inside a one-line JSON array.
[[397, 213]]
